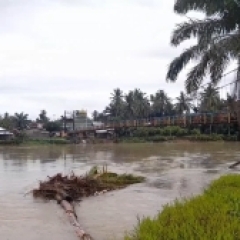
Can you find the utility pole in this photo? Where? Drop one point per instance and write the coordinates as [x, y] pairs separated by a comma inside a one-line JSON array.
[[64, 121], [73, 115]]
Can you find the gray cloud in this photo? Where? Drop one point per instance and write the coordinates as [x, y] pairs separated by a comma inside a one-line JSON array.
[[62, 55]]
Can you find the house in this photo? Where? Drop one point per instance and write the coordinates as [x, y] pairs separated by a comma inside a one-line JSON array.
[[5, 134]]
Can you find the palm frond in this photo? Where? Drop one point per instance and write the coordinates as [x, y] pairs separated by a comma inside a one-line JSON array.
[[207, 6], [180, 62], [203, 30], [236, 85], [213, 59], [196, 75]]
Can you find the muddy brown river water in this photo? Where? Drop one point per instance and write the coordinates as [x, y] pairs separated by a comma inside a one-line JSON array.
[[173, 170]]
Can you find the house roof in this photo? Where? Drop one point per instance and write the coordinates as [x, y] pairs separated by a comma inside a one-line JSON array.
[[3, 131]]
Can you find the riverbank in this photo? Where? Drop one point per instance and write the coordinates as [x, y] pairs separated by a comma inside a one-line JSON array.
[[191, 138], [125, 140], [212, 215], [139, 135]]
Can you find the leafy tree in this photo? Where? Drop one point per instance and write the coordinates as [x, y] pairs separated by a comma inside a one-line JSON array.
[[53, 126], [7, 121]]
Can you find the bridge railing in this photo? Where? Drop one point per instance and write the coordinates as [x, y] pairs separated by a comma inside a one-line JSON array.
[[179, 120]]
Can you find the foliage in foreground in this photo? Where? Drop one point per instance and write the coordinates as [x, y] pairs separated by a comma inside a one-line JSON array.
[[213, 215]]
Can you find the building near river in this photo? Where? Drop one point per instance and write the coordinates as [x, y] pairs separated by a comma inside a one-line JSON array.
[[5, 134], [77, 120]]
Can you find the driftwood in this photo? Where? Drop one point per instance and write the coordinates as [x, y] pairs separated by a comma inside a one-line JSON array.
[[67, 190], [67, 204], [234, 164]]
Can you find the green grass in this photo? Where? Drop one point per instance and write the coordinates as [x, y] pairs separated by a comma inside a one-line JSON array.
[[113, 179], [214, 215]]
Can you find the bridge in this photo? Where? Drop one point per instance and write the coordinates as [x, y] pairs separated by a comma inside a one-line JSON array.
[[227, 118], [184, 121]]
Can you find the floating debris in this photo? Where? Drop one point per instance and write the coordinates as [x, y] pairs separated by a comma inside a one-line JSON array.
[[67, 189]]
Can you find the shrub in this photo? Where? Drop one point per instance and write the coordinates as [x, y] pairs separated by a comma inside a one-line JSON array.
[[195, 132]]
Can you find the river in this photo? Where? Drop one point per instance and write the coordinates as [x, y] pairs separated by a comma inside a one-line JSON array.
[[173, 170]]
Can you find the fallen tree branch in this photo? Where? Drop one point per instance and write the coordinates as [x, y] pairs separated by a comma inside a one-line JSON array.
[[234, 165], [69, 189]]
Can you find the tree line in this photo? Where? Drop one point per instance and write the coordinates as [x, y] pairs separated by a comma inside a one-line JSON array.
[[21, 121], [136, 104]]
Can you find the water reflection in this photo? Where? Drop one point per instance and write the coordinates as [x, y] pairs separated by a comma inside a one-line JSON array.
[[172, 170]]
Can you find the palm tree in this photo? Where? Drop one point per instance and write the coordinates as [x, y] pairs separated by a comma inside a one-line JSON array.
[[129, 105], [7, 121], [160, 103], [210, 99], [183, 103], [43, 117], [218, 40], [117, 103], [95, 115], [141, 104], [229, 103], [21, 120]]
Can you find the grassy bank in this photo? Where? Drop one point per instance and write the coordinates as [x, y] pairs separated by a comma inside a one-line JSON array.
[[146, 134], [213, 215]]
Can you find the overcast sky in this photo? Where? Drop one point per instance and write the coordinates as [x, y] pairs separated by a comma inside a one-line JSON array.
[[70, 54]]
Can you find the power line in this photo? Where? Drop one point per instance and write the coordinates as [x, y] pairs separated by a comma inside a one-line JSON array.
[[224, 75]]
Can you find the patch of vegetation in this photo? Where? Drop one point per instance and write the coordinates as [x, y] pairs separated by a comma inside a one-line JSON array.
[[157, 134], [213, 215]]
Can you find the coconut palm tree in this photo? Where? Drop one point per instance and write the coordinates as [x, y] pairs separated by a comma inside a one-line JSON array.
[[141, 104], [210, 99], [129, 105], [95, 115], [218, 40], [230, 103], [160, 103], [21, 120], [117, 104], [183, 103]]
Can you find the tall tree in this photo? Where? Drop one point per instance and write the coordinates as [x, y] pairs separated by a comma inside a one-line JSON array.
[[218, 40], [141, 104], [117, 104], [21, 120], [129, 105], [7, 121], [43, 117], [160, 104], [210, 99], [95, 115], [183, 103]]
